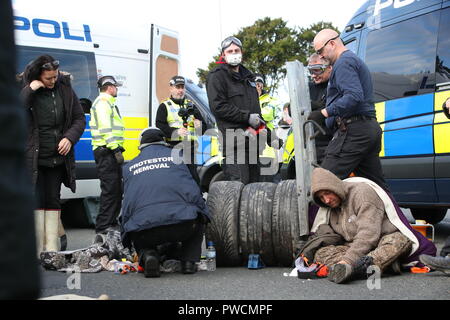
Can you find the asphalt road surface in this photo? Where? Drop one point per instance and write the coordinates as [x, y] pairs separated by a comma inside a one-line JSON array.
[[242, 283]]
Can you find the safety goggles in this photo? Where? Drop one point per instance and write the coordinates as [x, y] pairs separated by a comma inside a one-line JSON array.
[[228, 41], [259, 79], [326, 43], [317, 69], [51, 65]]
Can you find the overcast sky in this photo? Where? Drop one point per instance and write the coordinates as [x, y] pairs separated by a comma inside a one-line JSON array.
[[202, 24]]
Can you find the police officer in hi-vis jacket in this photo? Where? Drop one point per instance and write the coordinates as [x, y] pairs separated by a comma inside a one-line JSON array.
[[181, 122], [107, 128]]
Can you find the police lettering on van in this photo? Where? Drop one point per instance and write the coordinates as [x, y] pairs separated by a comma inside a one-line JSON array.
[[51, 29], [383, 4]]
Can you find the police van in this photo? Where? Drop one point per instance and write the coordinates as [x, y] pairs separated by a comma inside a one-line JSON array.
[[142, 58], [406, 45]]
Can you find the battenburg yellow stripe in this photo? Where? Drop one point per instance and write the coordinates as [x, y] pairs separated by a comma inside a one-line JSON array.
[[441, 129], [381, 116], [133, 127]]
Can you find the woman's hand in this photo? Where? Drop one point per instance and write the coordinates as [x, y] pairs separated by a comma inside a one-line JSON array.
[[64, 146], [36, 84]]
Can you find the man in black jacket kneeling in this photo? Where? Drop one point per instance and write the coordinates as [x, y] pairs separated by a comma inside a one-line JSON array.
[[162, 203]]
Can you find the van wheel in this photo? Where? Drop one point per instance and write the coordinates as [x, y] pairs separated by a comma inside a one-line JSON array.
[[430, 215], [219, 176], [256, 221], [223, 204], [285, 222]]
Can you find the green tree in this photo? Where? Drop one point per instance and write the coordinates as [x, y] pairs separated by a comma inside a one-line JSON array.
[[268, 45]]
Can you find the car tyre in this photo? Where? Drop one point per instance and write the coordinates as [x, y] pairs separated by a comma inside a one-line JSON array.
[[223, 204], [255, 220]]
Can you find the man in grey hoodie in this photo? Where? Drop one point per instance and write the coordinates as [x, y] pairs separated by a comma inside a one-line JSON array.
[[373, 233]]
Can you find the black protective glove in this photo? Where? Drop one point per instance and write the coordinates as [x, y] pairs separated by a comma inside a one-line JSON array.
[[197, 113], [317, 116], [118, 155]]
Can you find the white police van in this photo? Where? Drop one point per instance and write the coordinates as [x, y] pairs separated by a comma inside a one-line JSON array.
[[143, 59], [406, 45]]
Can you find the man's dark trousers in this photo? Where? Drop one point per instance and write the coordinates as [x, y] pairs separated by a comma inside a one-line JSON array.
[[110, 174], [355, 147], [242, 164], [189, 233], [246, 173]]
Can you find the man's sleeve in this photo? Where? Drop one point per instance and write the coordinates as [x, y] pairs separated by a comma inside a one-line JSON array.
[[198, 116], [349, 85], [161, 121], [102, 114], [369, 222], [26, 95], [219, 104]]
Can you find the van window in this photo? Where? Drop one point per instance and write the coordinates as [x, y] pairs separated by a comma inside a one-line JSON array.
[[200, 93], [443, 53], [81, 65], [199, 97], [402, 57], [351, 45]]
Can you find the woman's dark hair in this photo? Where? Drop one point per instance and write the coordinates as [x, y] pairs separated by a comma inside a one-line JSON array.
[[34, 69]]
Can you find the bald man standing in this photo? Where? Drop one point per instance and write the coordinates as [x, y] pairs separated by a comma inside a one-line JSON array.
[[350, 113]]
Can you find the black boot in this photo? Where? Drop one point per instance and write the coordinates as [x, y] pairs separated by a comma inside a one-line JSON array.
[[359, 269], [188, 267], [342, 273], [150, 263]]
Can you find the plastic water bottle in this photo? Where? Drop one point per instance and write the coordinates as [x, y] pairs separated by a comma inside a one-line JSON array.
[[210, 257]]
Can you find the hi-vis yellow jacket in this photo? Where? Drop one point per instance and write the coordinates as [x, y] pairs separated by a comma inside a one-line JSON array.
[[269, 113], [269, 110], [175, 121], [107, 126]]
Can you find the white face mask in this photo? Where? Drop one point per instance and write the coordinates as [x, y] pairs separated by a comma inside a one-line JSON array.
[[234, 59]]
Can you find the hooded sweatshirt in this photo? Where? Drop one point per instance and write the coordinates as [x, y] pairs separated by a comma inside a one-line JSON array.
[[360, 219]]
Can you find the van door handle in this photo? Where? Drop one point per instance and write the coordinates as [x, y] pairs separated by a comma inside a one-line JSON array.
[[443, 86]]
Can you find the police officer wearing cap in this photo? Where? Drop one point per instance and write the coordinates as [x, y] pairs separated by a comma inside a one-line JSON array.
[[162, 204], [181, 122], [234, 101], [108, 129]]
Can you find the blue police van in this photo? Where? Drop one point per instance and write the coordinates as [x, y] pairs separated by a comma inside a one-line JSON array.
[[406, 45]]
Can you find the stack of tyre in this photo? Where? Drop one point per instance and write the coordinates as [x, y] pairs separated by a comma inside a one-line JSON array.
[[258, 218]]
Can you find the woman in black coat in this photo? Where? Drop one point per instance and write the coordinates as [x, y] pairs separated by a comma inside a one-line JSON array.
[[55, 124]]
